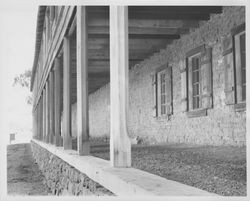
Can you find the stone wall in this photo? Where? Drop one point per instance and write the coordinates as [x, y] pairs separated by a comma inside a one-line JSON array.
[[63, 179], [222, 125]]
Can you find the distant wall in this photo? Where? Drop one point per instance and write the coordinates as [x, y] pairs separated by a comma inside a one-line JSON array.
[[222, 126]]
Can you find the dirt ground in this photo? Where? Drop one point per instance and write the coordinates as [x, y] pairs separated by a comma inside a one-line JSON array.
[[23, 175], [221, 170]]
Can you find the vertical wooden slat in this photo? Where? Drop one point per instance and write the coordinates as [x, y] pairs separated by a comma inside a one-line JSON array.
[[47, 112], [57, 75], [51, 109], [67, 141], [83, 146], [120, 146]]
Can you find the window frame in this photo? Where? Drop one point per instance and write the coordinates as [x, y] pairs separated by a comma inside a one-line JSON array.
[[202, 110], [164, 69], [199, 95]]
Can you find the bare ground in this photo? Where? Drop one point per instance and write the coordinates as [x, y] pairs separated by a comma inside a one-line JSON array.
[[221, 170], [23, 175]]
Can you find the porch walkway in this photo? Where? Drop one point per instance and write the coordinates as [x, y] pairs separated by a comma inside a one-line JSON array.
[[23, 175]]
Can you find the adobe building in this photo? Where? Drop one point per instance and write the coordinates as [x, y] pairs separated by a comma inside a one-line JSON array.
[[167, 74]]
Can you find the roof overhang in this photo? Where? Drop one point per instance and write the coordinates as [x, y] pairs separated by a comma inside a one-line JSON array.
[[39, 32]]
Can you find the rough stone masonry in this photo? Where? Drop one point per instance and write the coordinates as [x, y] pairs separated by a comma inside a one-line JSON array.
[[63, 179]]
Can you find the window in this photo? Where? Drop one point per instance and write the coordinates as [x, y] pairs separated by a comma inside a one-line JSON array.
[[196, 81], [162, 87], [234, 56], [162, 93]]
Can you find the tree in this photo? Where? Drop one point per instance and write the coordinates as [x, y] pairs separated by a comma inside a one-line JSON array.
[[23, 80]]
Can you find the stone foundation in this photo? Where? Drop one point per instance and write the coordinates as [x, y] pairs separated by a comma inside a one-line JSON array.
[[63, 179]]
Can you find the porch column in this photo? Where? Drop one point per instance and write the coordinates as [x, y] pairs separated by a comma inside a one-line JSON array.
[[51, 108], [34, 121], [57, 75], [83, 145], [67, 141], [37, 120], [41, 118], [47, 111], [120, 146], [44, 115]]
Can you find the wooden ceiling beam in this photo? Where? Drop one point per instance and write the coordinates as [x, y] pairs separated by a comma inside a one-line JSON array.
[[171, 9], [136, 54], [159, 15], [140, 36], [153, 23], [134, 43], [140, 30]]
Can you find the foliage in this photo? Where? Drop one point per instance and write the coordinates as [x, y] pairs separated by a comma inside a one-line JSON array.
[[23, 80]]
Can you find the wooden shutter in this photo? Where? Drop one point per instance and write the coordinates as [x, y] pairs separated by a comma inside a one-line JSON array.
[[227, 47], [190, 84], [154, 86], [184, 89], [169, 95], [238, 66], [206, 78]]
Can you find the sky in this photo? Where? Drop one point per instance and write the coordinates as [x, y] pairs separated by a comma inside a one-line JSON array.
[[17, 46]]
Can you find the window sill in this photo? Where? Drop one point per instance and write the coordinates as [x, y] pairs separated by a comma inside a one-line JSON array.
[[197, 113], [240, 107], [164, 117]]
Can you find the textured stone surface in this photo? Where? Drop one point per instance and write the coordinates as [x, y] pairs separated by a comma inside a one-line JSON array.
[[63, 179], [222, 125]]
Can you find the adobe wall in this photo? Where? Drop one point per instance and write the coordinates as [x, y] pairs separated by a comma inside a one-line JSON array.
[[222, 126]]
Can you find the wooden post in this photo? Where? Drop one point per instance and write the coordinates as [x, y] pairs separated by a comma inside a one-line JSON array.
[[41, 118], [67, 141], [47, 112], [57, 89], [37, 120], [83, 145], [44, 115], [120, 146], [34, 130], [51, 108]]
